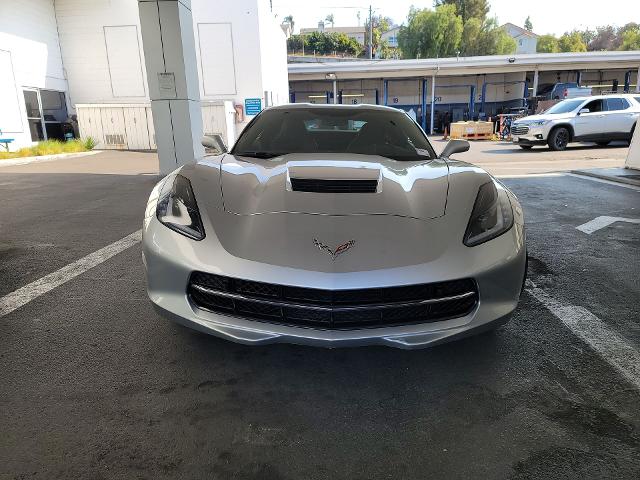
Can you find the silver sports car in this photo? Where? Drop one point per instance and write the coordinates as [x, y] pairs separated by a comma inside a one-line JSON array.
[[334, 225]]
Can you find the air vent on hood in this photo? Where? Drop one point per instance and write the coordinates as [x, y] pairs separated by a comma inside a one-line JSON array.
[[333, 186]]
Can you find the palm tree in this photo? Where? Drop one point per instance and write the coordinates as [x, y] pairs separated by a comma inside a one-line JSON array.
[[289, 19], [330, 19]]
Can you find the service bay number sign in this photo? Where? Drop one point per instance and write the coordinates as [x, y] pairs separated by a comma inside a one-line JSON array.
[[252, 106]]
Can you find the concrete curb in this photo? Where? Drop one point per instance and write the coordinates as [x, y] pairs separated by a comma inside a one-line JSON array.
[[611, 178], [44, 158]]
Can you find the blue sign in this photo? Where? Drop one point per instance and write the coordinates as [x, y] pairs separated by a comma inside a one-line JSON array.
[[252, 106]]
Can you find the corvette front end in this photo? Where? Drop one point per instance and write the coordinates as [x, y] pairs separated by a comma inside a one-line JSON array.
[[334, 249]]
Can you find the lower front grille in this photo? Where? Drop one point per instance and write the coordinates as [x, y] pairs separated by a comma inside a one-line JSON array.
[[333, 309], [519, 129]]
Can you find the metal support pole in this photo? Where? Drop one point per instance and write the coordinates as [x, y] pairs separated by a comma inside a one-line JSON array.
[[534, 91], [385, 92], [377, 97], [484, 97], [335, 92], [472, 102], [433, 102], [525, 94], [424, 104], [627, 80], [370, 33]]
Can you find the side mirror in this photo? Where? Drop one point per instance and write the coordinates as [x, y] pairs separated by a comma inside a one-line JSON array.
[[583, 110], [455, 146], [215, 143]]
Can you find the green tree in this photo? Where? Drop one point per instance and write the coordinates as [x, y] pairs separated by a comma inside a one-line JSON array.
[[547, 44], [485, 38], [330, 19], [572, 42], [528, 25], [605, 38], [631, 39], [431, 33], [380, 25], [468, 8], [323, 43]]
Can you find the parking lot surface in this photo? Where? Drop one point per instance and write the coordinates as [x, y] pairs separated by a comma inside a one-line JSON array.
[[96, 385]]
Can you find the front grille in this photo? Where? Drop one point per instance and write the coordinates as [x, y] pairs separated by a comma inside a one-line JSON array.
[[333, 309], [333, 186], [519, 129]]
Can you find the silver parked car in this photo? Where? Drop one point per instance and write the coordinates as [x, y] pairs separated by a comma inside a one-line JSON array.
[[600, 119], [334, 226]]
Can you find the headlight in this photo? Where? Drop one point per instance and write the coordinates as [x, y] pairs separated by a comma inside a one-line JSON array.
[[538, 123], [492, 215], [177, 208]]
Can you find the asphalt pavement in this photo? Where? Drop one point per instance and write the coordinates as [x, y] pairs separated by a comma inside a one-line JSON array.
[[95, 385]]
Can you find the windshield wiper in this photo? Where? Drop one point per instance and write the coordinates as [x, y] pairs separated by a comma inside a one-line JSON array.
[[259, 154]]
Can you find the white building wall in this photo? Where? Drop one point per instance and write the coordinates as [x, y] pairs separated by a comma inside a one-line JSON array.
[[102, 50], [29, 57], [240, 52], [273, 57]]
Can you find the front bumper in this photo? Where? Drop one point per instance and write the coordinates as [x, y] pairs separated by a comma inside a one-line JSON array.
[[498, 267], [530, 135], [528, 140]]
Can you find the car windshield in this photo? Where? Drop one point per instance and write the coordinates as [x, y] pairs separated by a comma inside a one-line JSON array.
[[564, 106], [387, 133]]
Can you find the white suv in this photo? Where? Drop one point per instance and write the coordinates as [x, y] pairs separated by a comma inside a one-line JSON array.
[[600, 119]]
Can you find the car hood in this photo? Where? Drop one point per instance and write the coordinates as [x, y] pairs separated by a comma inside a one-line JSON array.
[[542, 116], [253, 186]]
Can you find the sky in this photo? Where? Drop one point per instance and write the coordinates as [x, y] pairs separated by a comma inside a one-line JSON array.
[[547, 16]]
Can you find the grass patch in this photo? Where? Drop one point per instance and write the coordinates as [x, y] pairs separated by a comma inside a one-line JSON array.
[[51, 147]]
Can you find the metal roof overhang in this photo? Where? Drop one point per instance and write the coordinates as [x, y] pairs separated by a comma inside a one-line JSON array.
[[466, 65]]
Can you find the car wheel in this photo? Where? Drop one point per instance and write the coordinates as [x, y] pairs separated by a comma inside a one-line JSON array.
[[603, 144], [526, 147], [559, 139]]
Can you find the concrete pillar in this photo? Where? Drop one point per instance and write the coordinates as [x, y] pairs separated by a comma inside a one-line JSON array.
[[172, 76], [534, 90], [433, 102], [335, 92]]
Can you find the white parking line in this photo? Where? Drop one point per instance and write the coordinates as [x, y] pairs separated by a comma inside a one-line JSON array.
[[590, 329], [602, 222], [24, 295]]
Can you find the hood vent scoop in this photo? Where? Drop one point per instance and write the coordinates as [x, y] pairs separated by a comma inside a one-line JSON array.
[[316, 185]]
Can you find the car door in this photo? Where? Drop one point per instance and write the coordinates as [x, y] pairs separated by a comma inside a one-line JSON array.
[[619, 116], [591, 124]]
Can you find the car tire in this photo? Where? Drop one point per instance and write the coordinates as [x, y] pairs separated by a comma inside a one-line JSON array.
[[526, 147], [559, 139], [603, 144]]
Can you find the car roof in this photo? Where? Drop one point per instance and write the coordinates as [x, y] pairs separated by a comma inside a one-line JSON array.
[[319, 106], [609, 95]]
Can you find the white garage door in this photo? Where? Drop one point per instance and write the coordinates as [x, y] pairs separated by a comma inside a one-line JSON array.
[[216, 58], [125, 65], [10, 106]]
